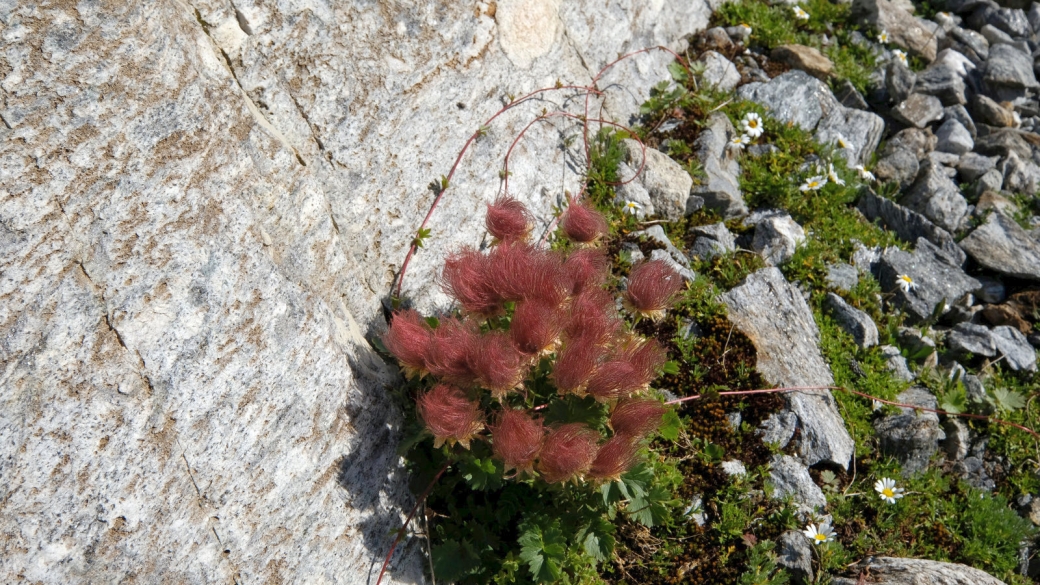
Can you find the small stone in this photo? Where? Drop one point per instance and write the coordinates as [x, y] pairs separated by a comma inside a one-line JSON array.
[[1020, 175], [973, 470], [911, 436], [796, 556], [683, 271], [898, 571], [667, 183], [972, 40], [712, 240], [944, 79], [915, 342], [916, 35], [973, 165], [896, 363], [777, 238], [917, 140], [808, 59], [719, 72], [1007, 66], [843, 277], [1003, 246], [854, 321], [899, 80], [695, 511], [720, 189], [958, 438], [1033, 15], [918, 110], [991, 201], [900, 167], [988, 111], [991, 181], [960, 113], [907, 224], [633, 191], [733, 468], [850, 97], [954, 138], [734, 418], [991, 291], [937, 197], [778, 428], [995, 36], [1013, 21], [1013, 345], [791, 478], [716, 38], [969, 338], [938, 278]]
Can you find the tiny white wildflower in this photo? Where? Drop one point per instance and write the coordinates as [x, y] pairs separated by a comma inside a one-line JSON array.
[[630, 207], [841, 142], [813, 183], [740, 141], [876, 405], [747, 28], [882, 37], [751, 124], [833, 175], [886, 488], [943, 14], [864, 173], [900, 55], [819, 535], [905, 283], [799, 13]]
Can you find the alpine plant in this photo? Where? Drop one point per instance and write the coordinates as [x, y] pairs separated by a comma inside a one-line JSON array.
[[524, 313]]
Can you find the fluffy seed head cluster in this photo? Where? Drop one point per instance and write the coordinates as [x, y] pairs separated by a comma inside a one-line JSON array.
[[521, 305], [582, 224], [450, 415], [568, 452], [507, 220], [652, 287], [516, 439]]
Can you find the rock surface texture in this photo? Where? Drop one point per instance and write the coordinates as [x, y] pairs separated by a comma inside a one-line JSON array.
[[201, 208], [773, 314], [896, 571]]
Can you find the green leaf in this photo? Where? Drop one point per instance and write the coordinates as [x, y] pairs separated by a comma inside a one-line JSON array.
[[670, 425], [571, 409], [1009, 400], [670, 367], [678, 72], [453, 560], [420, 237], [482, 474], [433, 322], [714, 452], [597, 538], [542, 547], [652, 509]]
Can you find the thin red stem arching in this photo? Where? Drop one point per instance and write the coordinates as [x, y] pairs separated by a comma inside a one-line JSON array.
[[415, 508]]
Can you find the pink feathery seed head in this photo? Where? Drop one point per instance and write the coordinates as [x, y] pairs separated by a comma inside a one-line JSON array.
[[593, 317], [574, 365], [409, 340], [647, 356], [495, 363], [465, 278], [518, 271], [582, 223], [508, 220], [637, 418], [450, 415], [535, 327], [586, 268], [448, 356], [614, 458], [634, 365], [652, 288], [516, 439], [568, 452]]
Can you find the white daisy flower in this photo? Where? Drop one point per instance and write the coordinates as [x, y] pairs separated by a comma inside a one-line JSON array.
[[833, 176], [813, 183], [900, 55], [864, 173], [841, 142], [746, 27], [886, 488], [876, 405], [905, 283], [631, 207], [882, 37], [751, 124], [819, 535], [740, 141], [799, 13]]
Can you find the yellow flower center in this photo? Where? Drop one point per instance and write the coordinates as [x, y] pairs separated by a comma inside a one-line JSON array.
[[752, 123], [821, 537], [888, 493]]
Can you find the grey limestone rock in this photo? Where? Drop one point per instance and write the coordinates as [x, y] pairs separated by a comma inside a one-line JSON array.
[[911, 436], [850, 97], [991, 181], [954, 138], [1015, 347], [935, 196], [733, 468], [917, 140], [633, 191], [719, 72], [1013, 21], [667, 183], [778, 428], [907, 224], [898, 166], [1020, 175], [958, 438], [799, 98], [973, 165], [854, 321], [720, 190], [773, 314], [970, 42], [795, 555], [1009, 67], [973, 339], [199, 226], [776, 238], [807, 59], [790, 478], [899, 571], [936, 276], [656, 234], [1003, 246], [914, 341], [960, 113], [841, 276], [918, 110], [899, 80], [988, 111], [896, 363], [944, 79], [711, 241], [992, 291], [914, 34], [683, 271]]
